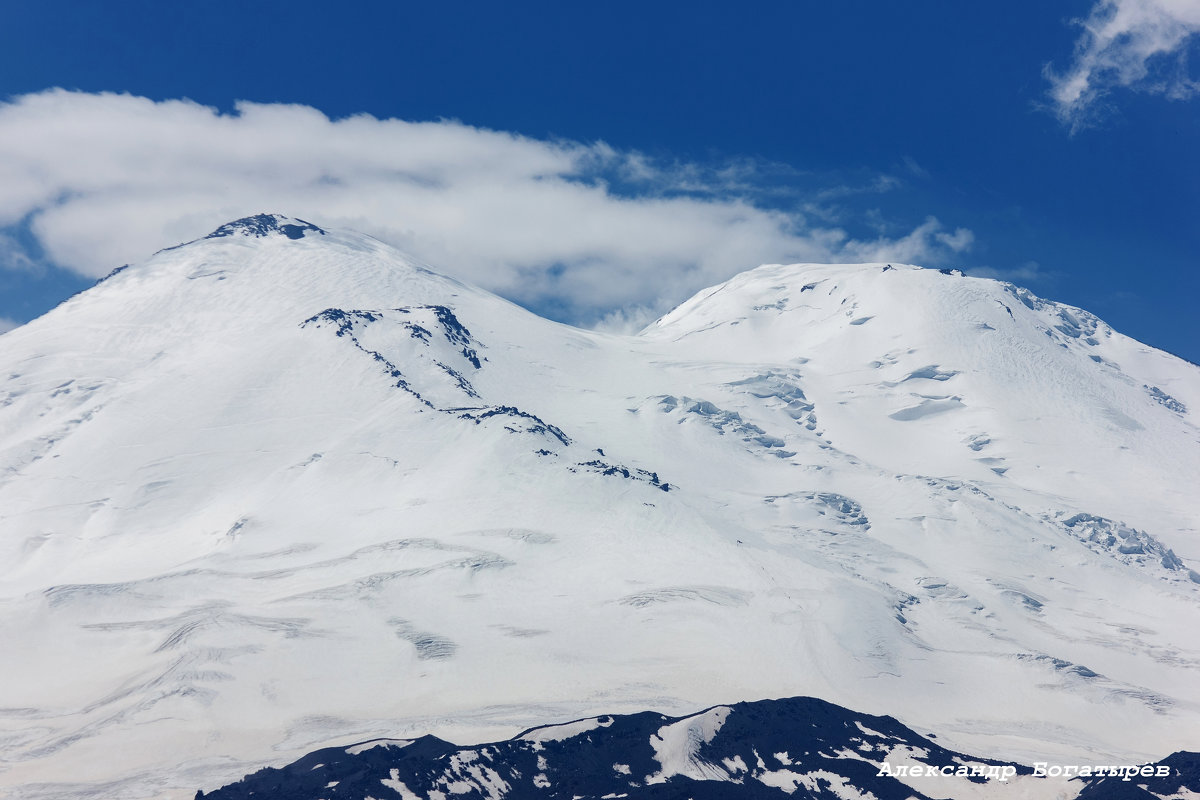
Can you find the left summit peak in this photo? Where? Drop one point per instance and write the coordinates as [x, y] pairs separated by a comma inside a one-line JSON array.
[[262, 225]]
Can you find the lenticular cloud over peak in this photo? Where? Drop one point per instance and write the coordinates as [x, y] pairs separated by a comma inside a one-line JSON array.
[[100, 179]]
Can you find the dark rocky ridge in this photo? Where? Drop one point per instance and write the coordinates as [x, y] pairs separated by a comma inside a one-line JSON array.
[[797, 747], [262, 225]]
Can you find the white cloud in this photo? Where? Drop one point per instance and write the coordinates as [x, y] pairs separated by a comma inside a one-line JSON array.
[[958, 242], [630, 319], [106, 179], [7, 324], [909, 249], [1137, 44]]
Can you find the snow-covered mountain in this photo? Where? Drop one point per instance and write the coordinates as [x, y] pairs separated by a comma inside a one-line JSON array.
[[282, 488]]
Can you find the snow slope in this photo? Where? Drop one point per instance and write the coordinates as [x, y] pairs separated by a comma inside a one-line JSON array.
[[282, 487]]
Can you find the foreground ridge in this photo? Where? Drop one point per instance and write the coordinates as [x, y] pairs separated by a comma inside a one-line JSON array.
[[798, 747]]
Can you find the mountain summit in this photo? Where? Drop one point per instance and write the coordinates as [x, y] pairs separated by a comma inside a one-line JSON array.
[[261, 225], [283, 487]]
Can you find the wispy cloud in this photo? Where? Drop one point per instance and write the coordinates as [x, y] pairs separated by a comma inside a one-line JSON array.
[[105, 179], [880, 184], [14, 257], [1030, 272], [915, 169], [7, 324], [1136, 44], [627, 320]]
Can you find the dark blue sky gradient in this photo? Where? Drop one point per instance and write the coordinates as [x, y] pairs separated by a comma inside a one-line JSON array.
[[833, 90]]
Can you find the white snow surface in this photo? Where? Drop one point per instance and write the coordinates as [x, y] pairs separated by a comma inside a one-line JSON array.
[[371, 745], [566, 730], [228, 537], [676, 748]]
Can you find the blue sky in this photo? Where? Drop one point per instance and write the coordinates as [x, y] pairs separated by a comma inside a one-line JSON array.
[[599, 163]]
